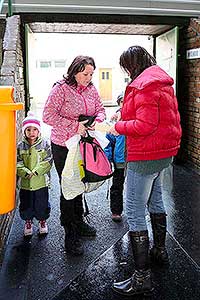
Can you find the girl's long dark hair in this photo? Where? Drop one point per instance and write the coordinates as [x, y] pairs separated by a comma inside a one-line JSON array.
[[135, 60], [78, 65]]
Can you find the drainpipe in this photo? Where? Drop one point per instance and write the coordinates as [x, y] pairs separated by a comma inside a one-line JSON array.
[[10, 11], [177, 59], [26, 70], [1, 5]]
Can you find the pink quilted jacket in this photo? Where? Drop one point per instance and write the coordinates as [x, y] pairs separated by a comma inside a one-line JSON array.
[[65, 104]]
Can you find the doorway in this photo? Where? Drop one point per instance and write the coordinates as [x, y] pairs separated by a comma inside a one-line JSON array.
[[105, 84]]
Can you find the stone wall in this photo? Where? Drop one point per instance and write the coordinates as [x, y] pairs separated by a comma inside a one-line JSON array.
[[189, 94], [2, 31], [12, 74]]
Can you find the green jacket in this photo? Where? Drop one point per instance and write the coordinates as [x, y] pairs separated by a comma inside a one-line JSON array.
[[35, 158]]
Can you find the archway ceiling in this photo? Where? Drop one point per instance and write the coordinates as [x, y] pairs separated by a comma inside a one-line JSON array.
[[137, 29]]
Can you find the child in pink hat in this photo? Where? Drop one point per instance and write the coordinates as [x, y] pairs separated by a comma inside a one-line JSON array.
[[34, 161]]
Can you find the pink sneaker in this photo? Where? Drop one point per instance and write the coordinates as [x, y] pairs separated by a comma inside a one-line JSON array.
[[43, 229], [28, 228]]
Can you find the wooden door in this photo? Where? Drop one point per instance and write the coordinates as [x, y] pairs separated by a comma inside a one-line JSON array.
[[105, 84]]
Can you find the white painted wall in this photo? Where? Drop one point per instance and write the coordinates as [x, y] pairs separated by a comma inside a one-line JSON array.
[[166, 53], [104, 48]]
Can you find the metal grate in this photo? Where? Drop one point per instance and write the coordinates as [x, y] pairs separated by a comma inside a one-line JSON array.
[[5, 223]]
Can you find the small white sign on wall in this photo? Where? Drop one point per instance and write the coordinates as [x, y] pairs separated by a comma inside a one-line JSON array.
[[193, 53]]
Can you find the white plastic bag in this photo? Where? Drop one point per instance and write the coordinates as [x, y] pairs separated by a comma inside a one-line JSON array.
[[100, 137], [73, 172]]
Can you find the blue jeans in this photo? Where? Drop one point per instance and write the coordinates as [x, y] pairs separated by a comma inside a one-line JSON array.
[[143, 191]]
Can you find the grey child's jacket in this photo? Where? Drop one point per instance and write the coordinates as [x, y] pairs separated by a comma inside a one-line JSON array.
[[35, 158]]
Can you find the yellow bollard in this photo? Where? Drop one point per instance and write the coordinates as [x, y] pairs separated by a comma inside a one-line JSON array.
[[8, 155]]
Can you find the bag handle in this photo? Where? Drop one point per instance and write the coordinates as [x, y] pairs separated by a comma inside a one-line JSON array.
[[86, 212]]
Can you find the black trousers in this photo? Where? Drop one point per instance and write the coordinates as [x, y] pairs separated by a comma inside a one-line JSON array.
[[71, 210], [116, 191]]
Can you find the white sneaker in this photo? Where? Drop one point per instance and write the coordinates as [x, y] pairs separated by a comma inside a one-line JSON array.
[[43, 228], [28, 228]]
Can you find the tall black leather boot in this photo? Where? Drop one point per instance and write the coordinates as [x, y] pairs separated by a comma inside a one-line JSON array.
[[159, 253], [73, 244], [140, 282]]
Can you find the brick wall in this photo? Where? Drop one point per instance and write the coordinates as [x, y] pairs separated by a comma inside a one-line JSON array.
[[12, 74], [189, 94]]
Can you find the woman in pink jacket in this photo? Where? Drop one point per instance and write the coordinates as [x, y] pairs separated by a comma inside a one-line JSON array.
[[69, 98], [151, 123]]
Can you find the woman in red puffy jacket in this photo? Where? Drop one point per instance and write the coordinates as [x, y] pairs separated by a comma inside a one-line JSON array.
[[151, 123]]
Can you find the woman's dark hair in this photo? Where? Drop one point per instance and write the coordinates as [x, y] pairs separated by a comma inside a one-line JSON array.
[[78, 65], [135, 60]]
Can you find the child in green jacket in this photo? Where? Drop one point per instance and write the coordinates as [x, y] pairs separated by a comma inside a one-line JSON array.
[[34, 161]]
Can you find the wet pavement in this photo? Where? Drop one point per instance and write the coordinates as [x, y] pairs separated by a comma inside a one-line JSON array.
[[39, 268], [181, 280]]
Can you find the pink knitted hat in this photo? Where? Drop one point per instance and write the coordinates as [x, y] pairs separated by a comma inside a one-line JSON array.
[[30, 120]]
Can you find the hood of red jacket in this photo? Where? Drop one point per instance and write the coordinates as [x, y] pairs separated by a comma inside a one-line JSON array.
[[153, 74]]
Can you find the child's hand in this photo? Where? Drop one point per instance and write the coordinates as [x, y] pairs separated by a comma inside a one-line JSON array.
[[31, 175]]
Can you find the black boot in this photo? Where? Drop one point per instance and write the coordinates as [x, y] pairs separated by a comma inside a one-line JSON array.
[[140, 282], [159, 253], [85, 230], [73, 244], [116, 194]]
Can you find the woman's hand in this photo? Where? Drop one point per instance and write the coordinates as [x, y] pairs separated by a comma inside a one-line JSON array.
[[113, 131], [116, 117], [92, 126], [81, 127]]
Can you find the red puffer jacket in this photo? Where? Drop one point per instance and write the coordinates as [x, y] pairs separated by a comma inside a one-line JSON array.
[[150, 117]]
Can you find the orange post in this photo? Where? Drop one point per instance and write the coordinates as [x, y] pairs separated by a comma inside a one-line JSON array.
[[8, 148]]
